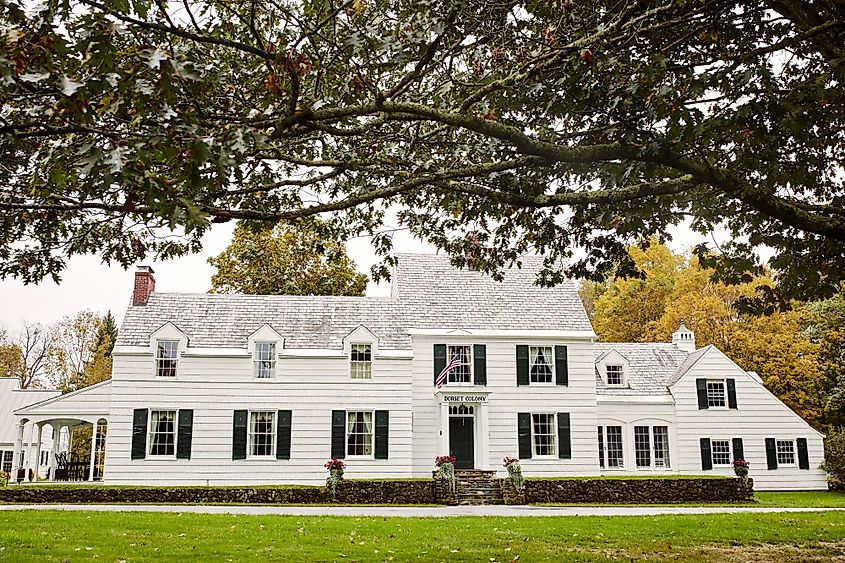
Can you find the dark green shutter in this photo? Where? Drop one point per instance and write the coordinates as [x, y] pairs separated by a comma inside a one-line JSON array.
[[739, 451], [561, 366], [382, 432], [522, 365], [564, 443], [239, 423], [139, 434], [186, 430], [479, 358], [771, 454], [439, 360], [803, 454], [339, 434], [701, 388], [731, 393], [283, 425], [706, 456], [524, 432]]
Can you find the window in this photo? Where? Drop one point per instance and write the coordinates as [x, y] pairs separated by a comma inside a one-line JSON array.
[[614, 447], [166, 358], [361, 361], [162, 433], [7, 460], [262, 433], [721, 452], [716, 394], [642, 446], [462, 373], [359, 433], [543, 434], [786, 452], [541, 364], [661, 446], [614, 375], [601, 447], [264, 360]]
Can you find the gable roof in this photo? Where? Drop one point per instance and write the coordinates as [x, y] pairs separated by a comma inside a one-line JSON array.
[[12, 397], [687, 364], [650, 367]]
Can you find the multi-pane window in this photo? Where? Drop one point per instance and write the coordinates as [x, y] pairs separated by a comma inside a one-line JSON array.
[[542, 363], [614, 374], [614, 447], [544, 434], [359, 433], [162, 432], [462, 373], [264, 360], [361, 361], [716, 393], [7, 460], [786, 452], [721, 452], [166, 351], [642, 446], [661, 446], [262, 433]]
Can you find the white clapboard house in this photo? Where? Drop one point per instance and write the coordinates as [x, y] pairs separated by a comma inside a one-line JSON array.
[[247, 389]]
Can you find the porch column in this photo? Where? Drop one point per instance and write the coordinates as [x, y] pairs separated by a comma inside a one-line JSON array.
[[93, 451], [444, 429], [16, 455], [34, 447], [484, 431], [57, 434]]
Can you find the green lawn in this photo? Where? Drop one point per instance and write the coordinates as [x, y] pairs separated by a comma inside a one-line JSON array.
[[90, 536], [809, 499]]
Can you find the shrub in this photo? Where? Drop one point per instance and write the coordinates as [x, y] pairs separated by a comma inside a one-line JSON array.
[[834, 459]]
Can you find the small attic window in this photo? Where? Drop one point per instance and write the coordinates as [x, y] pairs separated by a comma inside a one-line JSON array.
[[614, 375]]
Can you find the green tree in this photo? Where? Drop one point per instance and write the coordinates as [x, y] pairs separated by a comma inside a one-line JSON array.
[[79, 354], [570, 129], [286, 260], [825, 325]]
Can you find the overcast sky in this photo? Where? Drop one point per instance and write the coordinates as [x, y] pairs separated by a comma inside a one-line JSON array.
[[89, 284]]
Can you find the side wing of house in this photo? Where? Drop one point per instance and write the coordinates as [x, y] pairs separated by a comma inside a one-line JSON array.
[[724, 413]]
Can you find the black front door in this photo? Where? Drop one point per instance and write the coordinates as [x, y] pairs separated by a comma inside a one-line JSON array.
[[461, 443]]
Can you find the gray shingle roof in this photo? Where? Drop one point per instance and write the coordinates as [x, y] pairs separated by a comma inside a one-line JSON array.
[[651, 365], [688, 362], [427, 293]]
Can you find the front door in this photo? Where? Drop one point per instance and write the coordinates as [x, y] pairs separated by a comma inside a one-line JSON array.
[[461, 441]]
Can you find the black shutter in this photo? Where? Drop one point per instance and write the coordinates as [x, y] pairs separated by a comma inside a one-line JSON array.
[[339, 433], [283, 425], [139, 434], [382, 432], [561, 366], [186, 430], [706, 456], [731, 393], [524, 432], [564, 444], [439, 360], [522, 365], [771, 454], [701, 388], [479, 358], [803, 454], [239, 423], [739, 451]]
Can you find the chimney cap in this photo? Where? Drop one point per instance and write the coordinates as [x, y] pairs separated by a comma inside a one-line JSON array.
[[146, 269]]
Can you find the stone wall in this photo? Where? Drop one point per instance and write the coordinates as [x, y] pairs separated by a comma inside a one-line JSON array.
[[629, 491]]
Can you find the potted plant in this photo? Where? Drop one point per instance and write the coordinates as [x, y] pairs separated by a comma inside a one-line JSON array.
[[446, 467], [514, 472], [741, 468], [335, 467], [4, 478]]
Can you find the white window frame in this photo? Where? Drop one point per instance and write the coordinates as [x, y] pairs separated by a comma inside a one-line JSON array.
[[372, 434], [360, 370], [604, 459], [534, 435], [730, 452], [159, 358], [621, 372], [151, 432], [793, 451], [652, 446], [256, 361], [667, 454], [6, 460], [469, 363], [724, 387], [551, 364], [250, 435]]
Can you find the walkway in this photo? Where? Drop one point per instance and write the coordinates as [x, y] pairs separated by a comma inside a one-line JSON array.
[[414, 511]]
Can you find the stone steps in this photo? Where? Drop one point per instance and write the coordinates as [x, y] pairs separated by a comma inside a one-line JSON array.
[[478, 487]]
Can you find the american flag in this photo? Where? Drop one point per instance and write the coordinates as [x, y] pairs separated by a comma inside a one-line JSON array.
[[454, 364]]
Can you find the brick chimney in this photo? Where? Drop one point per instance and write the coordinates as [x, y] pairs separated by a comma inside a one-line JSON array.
[[145, 284]]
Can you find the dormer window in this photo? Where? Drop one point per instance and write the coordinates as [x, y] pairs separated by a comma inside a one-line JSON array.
[[166, 357], [361, 361], [541, 360], [264, 360], [614, 375]]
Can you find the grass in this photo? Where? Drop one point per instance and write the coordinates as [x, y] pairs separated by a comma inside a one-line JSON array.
[[806, 499], [134, 536], [626, 477]]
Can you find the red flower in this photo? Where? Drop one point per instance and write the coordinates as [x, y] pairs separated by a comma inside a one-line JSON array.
[[335, 463], [441, 459]]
